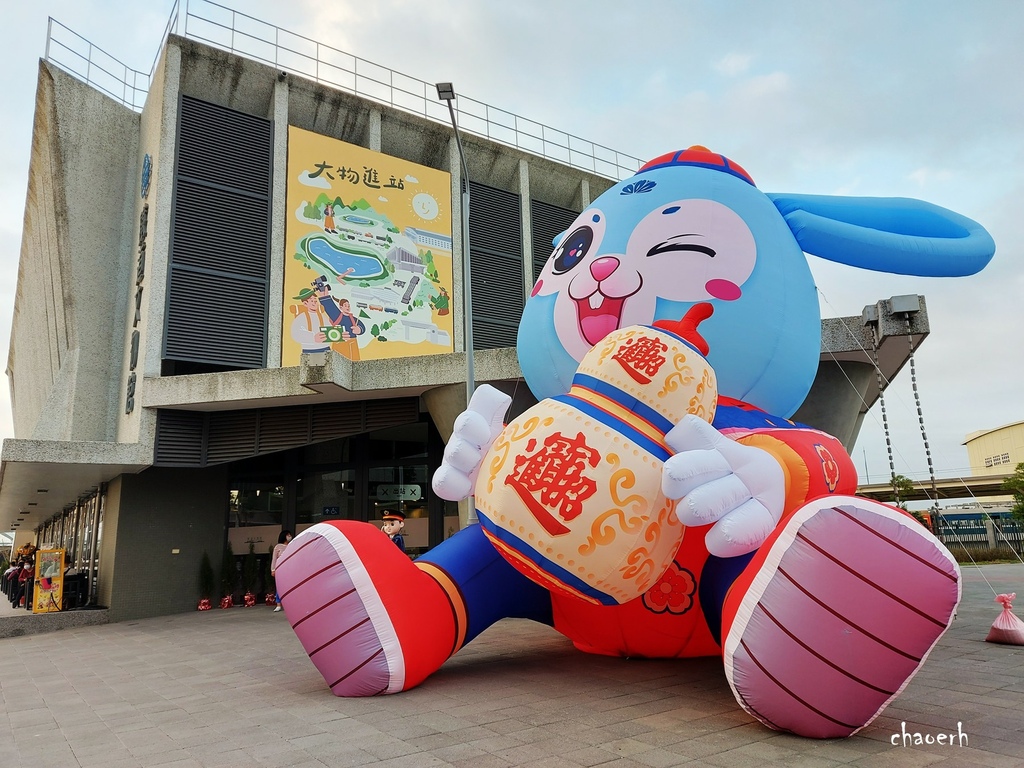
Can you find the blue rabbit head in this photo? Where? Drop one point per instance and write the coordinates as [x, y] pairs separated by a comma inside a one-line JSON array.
[[692, 227]]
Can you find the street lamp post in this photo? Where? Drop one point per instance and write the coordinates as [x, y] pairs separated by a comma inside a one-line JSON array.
[[446, 93]]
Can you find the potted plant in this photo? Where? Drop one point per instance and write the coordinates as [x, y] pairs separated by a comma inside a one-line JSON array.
[[205, 582], [228, 577], [250, 575]]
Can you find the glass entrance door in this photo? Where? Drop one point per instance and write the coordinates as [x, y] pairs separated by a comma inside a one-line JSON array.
[[255, 511], [325, 495], [405, 489], [351, 478]]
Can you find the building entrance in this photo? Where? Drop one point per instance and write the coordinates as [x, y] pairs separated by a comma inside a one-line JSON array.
[[351, 478]]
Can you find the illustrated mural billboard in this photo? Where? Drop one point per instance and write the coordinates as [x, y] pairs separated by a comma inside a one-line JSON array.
[[368, 271]]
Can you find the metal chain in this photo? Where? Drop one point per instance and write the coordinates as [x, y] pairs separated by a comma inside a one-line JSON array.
[[920, 419], [885, 420]]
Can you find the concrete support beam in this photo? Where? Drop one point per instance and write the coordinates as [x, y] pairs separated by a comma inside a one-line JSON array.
[[375, 130], [527, 226], [278, 218], [458, 248]]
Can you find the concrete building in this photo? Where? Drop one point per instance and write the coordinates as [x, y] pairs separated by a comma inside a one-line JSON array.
[[154, 418], [996, 451], [429, 239]]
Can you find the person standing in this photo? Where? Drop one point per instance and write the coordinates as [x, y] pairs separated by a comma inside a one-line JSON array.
[[10, 579], [26, 578], [282, 543]]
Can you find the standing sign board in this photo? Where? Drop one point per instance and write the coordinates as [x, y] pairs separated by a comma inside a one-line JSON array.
[[49, 589]]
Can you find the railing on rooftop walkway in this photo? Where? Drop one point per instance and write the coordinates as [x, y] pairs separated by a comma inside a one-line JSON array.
[[77, 56], [221, 27]]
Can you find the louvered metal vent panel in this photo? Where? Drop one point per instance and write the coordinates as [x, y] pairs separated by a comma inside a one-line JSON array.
[[389, 413], [497, 278], [179, 439], [211, 320], [493, 334], [222, 231], [282, 428], [225, 147], [220, 238], [495, 220], [497, 299], [232, 436], [496, 243], [546, 222], [336, 420], [197, 439]]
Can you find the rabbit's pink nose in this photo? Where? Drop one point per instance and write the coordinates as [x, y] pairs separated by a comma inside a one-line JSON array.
[[604, 267]]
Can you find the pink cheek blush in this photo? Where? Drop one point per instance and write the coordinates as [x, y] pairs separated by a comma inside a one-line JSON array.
[[726, 290], [539, 285]]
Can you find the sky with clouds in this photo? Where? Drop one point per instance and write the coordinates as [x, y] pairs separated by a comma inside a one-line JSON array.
[[920, 98]]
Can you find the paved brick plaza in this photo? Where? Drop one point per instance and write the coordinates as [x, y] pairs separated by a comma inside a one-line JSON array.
[[234, 688]]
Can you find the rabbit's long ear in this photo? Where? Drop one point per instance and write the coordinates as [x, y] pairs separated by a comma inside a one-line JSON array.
[[898, 235]]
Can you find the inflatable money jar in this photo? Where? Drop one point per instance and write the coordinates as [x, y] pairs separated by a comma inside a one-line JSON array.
[[570, 492]]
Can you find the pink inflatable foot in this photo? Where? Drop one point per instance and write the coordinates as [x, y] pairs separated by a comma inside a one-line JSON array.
[[370, 620], [835, 615]]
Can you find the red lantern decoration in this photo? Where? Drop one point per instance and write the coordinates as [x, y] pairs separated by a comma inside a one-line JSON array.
[[270, 599], [226, 602], [249, 599], [204, 604]]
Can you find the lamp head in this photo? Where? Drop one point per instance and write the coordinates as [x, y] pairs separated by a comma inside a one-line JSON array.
[[445, 91]]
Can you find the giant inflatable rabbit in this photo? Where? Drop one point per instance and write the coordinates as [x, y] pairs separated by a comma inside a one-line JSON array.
[[658, 502]]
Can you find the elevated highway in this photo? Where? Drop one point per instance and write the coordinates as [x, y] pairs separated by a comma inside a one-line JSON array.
[[947, 488]]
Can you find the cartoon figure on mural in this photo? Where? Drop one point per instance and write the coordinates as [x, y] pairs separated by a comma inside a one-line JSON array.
[[440, 303], [329, 219], [351, 325], [322, 321], [658, 501], [310, 316]]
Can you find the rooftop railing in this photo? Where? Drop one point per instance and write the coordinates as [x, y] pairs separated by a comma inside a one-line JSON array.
[[77, 56], [238, 33]]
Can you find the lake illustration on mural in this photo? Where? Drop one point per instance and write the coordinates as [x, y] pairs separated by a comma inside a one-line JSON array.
[[353, 219], [342, 259]]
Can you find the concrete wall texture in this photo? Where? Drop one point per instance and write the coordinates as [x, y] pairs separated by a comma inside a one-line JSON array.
[[75, 252], [148, 517]]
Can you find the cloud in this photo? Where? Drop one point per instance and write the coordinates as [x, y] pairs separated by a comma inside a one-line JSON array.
[[412, 179], [926, 176], [310, 181], [764, 87], [732, 64]]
